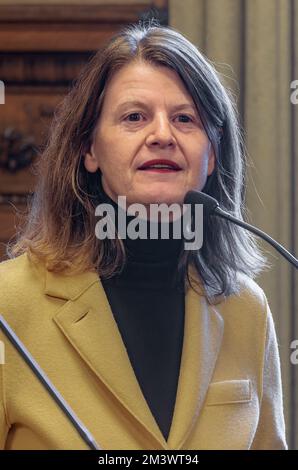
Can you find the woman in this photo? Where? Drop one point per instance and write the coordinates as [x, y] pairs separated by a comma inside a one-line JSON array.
[[153, 346]]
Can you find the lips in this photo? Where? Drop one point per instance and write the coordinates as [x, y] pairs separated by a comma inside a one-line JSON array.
[[160, 164]]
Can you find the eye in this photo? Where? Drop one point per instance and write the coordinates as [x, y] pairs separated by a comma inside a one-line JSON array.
[[185, 118], [132, 117]]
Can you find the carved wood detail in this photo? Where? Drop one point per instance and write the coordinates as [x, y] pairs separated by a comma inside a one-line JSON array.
[[42, 50]]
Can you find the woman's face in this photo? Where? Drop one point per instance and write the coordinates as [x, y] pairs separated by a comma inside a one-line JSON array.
[[148, 115]]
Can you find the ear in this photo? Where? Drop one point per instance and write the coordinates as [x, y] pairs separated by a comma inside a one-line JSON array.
[[211, 160], [90, 161]]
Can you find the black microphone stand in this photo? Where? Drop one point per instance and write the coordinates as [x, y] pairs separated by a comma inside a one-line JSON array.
[[212, 208], [225, 215]]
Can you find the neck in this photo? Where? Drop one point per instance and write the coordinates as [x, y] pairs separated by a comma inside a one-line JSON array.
[[148, 260]]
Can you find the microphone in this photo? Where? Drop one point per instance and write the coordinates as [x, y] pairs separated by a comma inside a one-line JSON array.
[[211, 207], [80, 427]]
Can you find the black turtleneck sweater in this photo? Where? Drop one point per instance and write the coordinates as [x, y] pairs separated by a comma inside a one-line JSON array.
[[147, 301]]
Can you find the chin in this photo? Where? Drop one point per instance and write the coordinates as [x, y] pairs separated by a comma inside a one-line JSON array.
[[159, 197]]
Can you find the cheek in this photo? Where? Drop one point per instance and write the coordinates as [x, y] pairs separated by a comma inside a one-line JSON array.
[[199, 165], [114, 152], [198, 157], [104, 155]]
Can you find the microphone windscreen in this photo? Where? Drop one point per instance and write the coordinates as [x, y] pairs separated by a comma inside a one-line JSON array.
[[197, 197]]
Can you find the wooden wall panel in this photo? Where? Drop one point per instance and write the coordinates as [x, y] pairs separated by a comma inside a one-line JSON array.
[[42, 50]]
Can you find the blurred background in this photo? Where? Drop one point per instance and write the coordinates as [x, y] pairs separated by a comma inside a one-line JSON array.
[[252, 43]]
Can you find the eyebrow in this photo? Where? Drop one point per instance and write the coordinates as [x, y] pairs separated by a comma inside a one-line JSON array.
[[144, 105]]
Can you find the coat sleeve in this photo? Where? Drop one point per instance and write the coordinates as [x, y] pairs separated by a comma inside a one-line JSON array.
[[270, 433], [4, 427]]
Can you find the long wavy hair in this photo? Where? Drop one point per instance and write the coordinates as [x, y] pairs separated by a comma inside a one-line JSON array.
[[60, 226]]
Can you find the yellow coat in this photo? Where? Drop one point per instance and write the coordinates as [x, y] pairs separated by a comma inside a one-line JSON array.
[[229, 393]]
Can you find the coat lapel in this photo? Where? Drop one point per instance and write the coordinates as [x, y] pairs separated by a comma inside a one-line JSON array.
[[202, 341], [88, 323]]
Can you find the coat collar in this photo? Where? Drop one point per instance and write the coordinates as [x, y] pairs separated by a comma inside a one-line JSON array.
[[68, 287], [88, 324]]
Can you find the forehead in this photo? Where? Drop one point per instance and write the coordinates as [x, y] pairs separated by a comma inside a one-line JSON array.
[[139, 79]]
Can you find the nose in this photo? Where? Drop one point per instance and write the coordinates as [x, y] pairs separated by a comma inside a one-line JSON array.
[[160, 132]]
